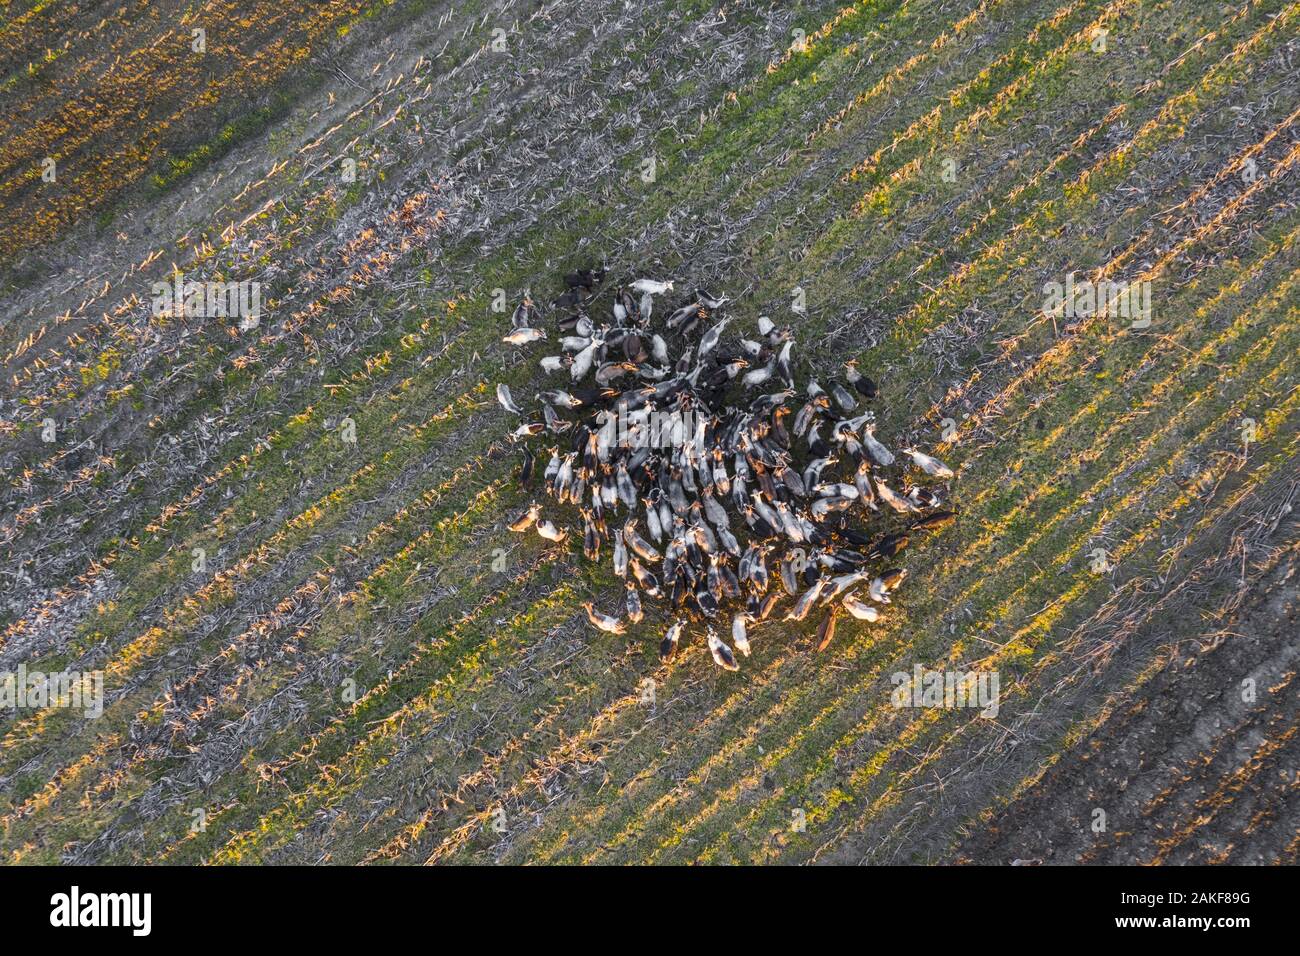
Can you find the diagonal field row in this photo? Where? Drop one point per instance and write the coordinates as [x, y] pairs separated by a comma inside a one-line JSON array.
[[482, 720]]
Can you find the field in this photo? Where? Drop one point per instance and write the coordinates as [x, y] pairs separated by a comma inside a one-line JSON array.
[[316, 650]]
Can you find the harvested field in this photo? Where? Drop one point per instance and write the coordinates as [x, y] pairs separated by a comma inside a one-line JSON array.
[[322, 650]]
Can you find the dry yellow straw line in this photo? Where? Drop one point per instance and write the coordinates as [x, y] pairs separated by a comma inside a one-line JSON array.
[[1165, 115], [894, 76], [186, 503], [59, 782], [222, 583], [328, 788], [1260, 351], [1032, 181], [264, 626], [1116, 386], [487, 772], [932, 120], [1056, 354]]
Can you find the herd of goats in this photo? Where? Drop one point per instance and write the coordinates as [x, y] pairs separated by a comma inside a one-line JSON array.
[[690, 464]]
